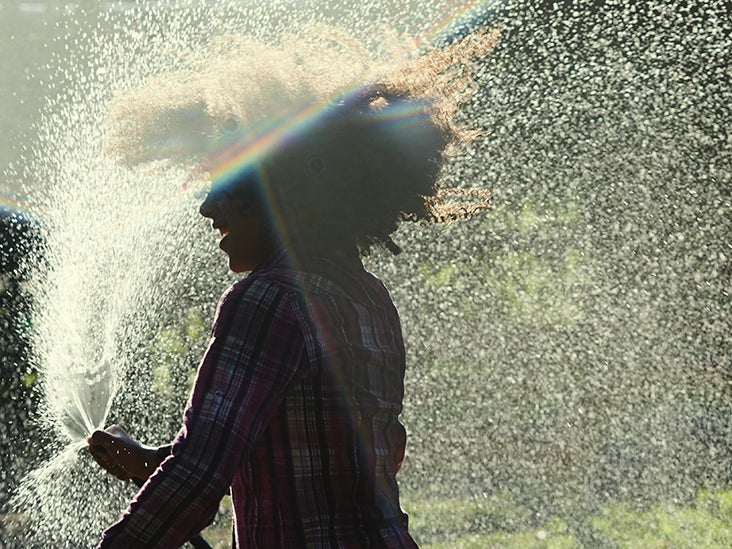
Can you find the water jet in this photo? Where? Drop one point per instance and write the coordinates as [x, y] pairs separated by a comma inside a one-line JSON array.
[[568, 350]]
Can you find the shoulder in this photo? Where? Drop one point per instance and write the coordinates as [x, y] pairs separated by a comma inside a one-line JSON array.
[[253, 299], [257, 288], [312, 297]]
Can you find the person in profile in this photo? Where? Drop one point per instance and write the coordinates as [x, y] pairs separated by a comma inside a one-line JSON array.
[[295, 407]]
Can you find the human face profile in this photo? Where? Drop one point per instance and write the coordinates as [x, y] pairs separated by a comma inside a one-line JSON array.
[[244, 236]]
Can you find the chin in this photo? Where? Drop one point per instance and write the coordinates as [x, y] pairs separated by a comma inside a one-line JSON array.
[[238, 266]]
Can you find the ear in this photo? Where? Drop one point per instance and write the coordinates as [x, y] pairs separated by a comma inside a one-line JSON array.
[[249, 208], [315, 164]]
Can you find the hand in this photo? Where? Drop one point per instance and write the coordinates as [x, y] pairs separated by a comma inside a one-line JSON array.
[[121, 455]]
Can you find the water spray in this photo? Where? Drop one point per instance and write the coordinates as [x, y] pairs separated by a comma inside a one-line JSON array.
[[568, 353]]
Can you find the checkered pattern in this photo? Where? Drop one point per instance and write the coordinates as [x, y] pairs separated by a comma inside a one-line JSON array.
[[295, 410]]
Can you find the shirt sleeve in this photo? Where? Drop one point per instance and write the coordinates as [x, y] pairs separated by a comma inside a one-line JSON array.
[[255, 352]]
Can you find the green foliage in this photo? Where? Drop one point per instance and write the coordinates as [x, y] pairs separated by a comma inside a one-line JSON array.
[[173, 346], [497, 521], [29, 380], [537, 288], [453, 515], [494, 521], [527, 219], [531, 284], [706, 522], [442, 277], [539, 539]]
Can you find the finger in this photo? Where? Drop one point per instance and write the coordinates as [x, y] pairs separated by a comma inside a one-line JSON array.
[[104, 459], [116, 431], [124, 475], [106, 465], [101, 438], [97, 450], [120, 473], [109, 443]]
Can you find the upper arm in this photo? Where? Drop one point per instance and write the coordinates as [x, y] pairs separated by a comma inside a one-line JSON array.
[[255, 354]]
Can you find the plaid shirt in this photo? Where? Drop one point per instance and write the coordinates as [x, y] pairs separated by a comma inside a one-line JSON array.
[[295, 410]]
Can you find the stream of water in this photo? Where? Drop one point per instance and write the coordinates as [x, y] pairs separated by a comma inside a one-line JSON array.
[[567, 349]]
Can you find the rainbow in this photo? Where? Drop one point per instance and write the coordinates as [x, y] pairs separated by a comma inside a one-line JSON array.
[[241, 155], [458, 15], [235, 156], [14, 199]]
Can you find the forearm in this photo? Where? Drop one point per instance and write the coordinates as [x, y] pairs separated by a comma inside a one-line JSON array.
[[168, 512], [151, 458], [161, 453], [237, 390]]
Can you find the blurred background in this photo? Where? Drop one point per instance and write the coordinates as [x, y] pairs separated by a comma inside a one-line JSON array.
[[569, 374]]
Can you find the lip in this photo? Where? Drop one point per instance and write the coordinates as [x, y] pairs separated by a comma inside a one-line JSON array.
[[222, 228]]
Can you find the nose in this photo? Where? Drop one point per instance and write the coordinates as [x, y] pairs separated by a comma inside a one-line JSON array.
[[207, 207]]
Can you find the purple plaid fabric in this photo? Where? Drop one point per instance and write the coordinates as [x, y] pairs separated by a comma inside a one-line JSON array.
[[295, 410]]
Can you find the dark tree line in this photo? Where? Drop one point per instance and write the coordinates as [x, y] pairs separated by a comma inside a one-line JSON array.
[[18, 399]]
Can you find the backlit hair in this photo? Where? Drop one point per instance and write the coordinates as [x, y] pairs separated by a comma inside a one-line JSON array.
[[369, 159]]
